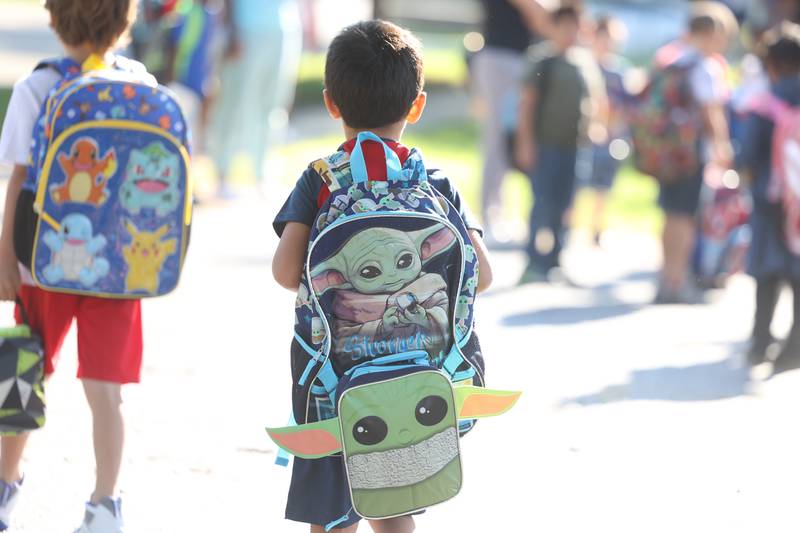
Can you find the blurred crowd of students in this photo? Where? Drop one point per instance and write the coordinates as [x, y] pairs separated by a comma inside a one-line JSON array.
[[730, 200], [233, 65]]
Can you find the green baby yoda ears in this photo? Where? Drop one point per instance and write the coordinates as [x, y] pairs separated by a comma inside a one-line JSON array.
[[320, 439]]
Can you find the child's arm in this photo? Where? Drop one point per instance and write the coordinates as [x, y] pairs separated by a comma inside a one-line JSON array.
[[289, 258], [484, 265], [716, 124], [9, 270], [525, 145]]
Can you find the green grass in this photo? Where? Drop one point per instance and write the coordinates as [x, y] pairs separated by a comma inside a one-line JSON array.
[[5, 95], [454, 148]]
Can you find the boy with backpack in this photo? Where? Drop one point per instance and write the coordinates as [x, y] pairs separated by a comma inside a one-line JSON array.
[[562, 92], [100, 164], [679, 127], [769, 159], [384, 286]]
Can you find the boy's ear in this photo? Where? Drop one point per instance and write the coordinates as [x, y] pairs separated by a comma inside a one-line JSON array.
[[333, 109], [415, 113], [477, 402], [309, 441]]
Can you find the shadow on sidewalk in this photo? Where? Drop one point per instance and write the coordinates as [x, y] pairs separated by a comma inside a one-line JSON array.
[[697, 383], [567, 316]]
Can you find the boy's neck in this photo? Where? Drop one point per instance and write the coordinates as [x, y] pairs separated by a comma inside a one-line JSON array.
[[392, 132], [82, 52]]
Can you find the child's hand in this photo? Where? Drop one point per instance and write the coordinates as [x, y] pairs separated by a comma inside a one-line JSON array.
[[416, 315], [9, 276], [390, 319]]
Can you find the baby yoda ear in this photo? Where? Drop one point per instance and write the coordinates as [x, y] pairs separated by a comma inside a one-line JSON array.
[[477, 402], [309, 441], [330, 275], [432, 241]]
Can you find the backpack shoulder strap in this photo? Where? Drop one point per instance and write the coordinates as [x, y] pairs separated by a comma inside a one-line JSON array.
[[334, 170], [63, 65]]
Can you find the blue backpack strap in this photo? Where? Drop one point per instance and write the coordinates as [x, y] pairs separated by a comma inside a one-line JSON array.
[[454, 360], [333, 524], [65, 66], [282, 459], [358, 166]]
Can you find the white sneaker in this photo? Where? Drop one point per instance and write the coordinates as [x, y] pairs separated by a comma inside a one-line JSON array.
[[9, 494], [102, 517]]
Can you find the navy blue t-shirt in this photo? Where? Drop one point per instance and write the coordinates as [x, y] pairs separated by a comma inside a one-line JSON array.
[[301, 206]]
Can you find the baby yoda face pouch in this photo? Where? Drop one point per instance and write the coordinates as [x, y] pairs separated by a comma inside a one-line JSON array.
[[397, 430], [113, 198]]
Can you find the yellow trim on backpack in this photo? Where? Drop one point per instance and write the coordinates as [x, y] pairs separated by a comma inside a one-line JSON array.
[[44, 178]]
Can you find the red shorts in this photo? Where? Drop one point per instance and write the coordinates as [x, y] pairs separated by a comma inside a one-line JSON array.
[[109, 332]]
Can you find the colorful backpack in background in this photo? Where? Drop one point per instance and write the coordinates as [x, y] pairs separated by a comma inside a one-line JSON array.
[[784, 186], [666, 125], [111, 166], [724, 233], [384, 312]]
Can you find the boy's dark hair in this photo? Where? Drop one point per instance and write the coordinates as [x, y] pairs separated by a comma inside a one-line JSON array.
[[97, 22], [566, 14], [781, 48], [373, 73]]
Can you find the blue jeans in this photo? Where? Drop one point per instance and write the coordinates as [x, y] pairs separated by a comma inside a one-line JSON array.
[[553, 183]]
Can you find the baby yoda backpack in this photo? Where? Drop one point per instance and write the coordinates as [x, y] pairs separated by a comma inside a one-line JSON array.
[[112, 199], [384, 316], [390, 270]]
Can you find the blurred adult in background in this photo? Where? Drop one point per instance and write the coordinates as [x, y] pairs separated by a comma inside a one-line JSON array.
[[610, 149], [699, 52], [562, 94], [508, 28], [257, 82]]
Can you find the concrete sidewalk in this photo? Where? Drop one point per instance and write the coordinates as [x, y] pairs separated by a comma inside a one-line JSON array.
[[634, 417]]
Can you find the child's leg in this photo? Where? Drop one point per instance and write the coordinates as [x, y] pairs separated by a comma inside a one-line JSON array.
[[105, 401], [11, 449], [401, 524], [767, 290]]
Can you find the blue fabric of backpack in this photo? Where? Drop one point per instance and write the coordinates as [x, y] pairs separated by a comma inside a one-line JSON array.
[[110, 171]]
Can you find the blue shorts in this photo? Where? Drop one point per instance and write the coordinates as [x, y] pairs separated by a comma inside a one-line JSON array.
[[319, 493], [604, 168], [682, 197]]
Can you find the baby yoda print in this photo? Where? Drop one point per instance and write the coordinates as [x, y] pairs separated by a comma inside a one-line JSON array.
[[74, 252], [145, 256], [384, 302]]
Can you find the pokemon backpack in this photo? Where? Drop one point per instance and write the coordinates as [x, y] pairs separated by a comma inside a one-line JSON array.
[[784, 186], [665, 125], [110, 165], [386, 296]]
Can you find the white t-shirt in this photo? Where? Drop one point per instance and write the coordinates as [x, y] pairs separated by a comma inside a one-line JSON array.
[[16, 137], [24, 107]]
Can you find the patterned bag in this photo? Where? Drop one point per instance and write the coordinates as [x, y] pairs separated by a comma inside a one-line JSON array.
[[110, 164], [22, 405], [666, 126]]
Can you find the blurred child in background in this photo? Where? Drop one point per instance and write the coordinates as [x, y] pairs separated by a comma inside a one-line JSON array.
[[610, 148], [770, 261]]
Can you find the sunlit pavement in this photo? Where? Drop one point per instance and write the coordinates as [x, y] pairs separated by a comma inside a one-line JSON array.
[[634, 418]]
